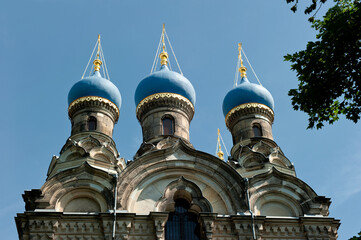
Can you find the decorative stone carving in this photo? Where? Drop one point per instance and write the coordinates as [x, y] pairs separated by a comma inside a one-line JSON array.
[[91, 102], [165, 99], [250, 160], [248, 108], [207, 221], [182, 188], [160, 220]]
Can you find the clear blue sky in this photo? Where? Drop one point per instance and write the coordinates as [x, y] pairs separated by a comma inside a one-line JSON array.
[[45, 46]]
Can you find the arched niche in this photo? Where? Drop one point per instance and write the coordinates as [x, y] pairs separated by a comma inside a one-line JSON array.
[[276, 204], [186, 190], [81, 200], [82, 204]]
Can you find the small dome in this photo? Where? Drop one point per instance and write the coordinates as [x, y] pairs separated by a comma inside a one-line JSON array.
[[95, 85], [247, 92], [164, 81]]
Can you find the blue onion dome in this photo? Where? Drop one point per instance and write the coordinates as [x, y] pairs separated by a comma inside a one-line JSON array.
[[95, 88], [247, 92], [164, 81], [95, 85]]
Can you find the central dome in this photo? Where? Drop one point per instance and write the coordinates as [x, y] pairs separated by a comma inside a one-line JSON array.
[[165, 81], [247, 92]]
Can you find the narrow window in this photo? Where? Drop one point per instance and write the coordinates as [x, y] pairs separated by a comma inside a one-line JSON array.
[[168, 126], [92, 124], [182, 224], [257, 130]]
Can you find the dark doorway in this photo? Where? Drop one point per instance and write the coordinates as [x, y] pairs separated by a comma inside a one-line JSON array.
[[182, 224]]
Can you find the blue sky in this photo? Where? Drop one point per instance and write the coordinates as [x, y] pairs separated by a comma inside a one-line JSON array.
[[45, 46]]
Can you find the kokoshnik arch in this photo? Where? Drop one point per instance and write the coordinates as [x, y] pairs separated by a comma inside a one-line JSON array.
[[170, 190]]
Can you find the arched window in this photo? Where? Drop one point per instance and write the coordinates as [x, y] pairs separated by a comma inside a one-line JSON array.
[[92, 124], [182, 224], [168, 125], [257, 130]]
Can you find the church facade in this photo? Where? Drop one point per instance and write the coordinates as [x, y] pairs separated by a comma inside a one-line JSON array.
[[170, 190]]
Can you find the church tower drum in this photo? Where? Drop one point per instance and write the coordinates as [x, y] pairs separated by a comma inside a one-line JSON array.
[[248, 109], [94, 103], [165, 103]]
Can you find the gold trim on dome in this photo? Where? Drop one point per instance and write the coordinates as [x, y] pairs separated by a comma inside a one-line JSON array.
[[164, 95], [247, 105], [93, 98]]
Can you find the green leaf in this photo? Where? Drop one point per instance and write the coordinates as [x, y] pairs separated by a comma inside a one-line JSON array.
[[328, 69]]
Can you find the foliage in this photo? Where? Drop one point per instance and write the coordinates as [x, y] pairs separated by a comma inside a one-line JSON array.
[[356, 238], [312, 7], [329, 69]]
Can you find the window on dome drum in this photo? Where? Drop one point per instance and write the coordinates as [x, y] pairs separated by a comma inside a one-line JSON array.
[[92, 124], [181, 224], [168, 126], [257, 130]]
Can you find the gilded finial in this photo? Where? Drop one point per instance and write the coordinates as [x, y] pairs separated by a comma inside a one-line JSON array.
[[163, 55], [220, 154], [163, 43], [242, 69], [97, 62]]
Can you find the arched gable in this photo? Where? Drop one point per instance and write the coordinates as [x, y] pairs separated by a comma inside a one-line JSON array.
[[278, 194], [143, 182]]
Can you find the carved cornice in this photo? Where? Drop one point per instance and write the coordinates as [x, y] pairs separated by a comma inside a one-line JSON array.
[[248, 108], [57, 225], [165, 99], [93, 101]]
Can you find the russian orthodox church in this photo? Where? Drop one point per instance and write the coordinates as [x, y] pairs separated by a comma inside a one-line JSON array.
[[170, 190]]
